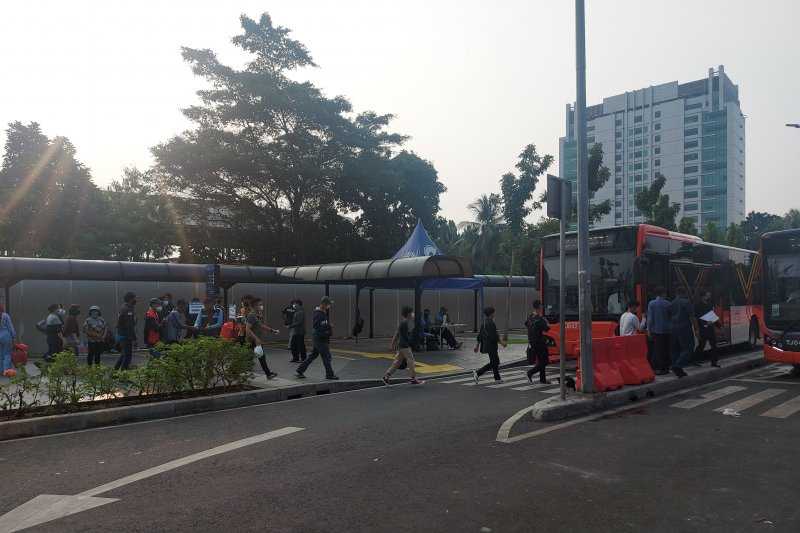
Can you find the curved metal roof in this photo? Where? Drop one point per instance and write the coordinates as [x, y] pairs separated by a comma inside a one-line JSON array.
[[403, 268], [14, 269], [502, 281]]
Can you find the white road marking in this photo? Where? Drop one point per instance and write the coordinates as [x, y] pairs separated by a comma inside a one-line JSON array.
[[709, 397], [508, 384], [48, 507], [552, 391], [534, 386], [784, 410], [771, 382], [492, 380], [750, 401], [459, 380]]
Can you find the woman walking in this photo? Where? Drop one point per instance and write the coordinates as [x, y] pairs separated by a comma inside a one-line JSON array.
[[401, 343], [488, 340], [7, 336], [96, 331], [72, 331]]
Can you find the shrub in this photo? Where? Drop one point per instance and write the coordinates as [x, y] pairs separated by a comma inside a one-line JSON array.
[[64, 389], [22, 393]]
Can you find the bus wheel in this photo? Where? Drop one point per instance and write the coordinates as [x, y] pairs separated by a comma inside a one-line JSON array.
[[752, 338]]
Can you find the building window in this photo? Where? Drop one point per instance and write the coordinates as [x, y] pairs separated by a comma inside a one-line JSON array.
[[590, 139], [690, 194], [657, 163], [637, 154], [691, 157], [637, 131], [690, 169], [618, 180], [644, 128], [589, 129], [691, 182], [618, 134], [638, 177], [618, 146], [618, 122], [657, 126], [689, 107], [691, 207], [689, 132], [658, 114], [630, 132], [637, 166], [618, 157], [657, 139], [657, 150], [691, 119], [637, 118], [618, 203], [690, 144], [618, 169], [646, 163]]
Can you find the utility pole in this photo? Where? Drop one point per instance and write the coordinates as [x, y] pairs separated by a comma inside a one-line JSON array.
[[584, 262]]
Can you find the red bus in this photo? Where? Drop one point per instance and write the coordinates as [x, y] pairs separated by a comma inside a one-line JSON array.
[[629, 262], [781, 294]]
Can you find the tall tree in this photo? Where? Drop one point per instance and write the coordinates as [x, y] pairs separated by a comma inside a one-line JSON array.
[[481, 237], [791, 220], [49, 206], [734, 236], [755, 224], [687, 226], [267, 152], [655, 206], [713, 233], [598, 177]]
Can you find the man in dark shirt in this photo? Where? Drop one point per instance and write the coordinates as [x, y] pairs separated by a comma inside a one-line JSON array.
[[537, 325], [706, 330], [401, 343], [658, 330], [321, 336], [297, 332], [488, 340], [683, 327], [126, 331]]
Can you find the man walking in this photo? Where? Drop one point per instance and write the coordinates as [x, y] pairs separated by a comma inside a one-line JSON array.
[[658, 329], [321, 332], [297, 333], [537, 325], [683, 327], [126, 331], [706, 332], [401, 343], [488, 340]]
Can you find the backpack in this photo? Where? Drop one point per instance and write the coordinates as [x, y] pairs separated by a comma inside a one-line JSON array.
[[288, 315], [41, 326]]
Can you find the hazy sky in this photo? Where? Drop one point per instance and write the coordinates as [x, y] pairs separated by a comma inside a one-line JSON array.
[[471, 82]]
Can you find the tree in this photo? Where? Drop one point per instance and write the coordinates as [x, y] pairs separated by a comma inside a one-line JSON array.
[[598, 176], [655, 206], [274, 157], [755, 224], [517, 191], [791, 220], [687, 226], [734, 236], [481, 237], [712, 233], [49, 206]]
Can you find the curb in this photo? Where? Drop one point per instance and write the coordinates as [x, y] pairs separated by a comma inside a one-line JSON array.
[[47, 425], [578, 404]]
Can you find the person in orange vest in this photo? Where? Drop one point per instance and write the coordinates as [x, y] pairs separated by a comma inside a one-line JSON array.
[[228, 330]]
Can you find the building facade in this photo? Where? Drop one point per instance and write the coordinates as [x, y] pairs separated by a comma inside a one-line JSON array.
[[691, 133]]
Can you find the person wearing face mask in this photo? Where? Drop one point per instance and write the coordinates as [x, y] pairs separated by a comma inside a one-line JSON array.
[[152, 323], [96, 331], [126, 331], [321, 334], [257, 331], [53, 327], [209, 321]]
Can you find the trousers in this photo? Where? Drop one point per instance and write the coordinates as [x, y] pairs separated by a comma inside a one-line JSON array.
[[323, 350], [493, 365]]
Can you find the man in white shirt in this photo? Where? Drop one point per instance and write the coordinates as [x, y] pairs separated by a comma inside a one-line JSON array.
[[629, 322]]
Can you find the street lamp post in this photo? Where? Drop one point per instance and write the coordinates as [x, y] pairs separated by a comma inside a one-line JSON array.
[[584, 264]]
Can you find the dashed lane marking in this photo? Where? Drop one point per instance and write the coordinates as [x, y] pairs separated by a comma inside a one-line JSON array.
[[784, 410], [751, 401], [709, 397]]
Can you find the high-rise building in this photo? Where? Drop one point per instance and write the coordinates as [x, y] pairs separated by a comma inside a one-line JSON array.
[[691, 133]]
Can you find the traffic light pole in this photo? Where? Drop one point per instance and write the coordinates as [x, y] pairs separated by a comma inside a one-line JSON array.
[[584, 263], [566, 202]]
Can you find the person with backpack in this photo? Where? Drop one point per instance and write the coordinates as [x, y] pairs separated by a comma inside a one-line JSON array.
[[152, 323], [297, 333], [175, 326], [53, 326], [536, 324], [488, 341], [256, 331], [72, 331], [321, 336], [7, 336], [96, 331], [401, 344], [126, 331]]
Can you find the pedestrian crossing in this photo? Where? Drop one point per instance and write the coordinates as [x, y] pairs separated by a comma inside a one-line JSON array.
[[737, 404], [513, 379]]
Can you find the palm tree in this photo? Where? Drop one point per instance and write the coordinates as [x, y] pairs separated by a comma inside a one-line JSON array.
[[481, 237]]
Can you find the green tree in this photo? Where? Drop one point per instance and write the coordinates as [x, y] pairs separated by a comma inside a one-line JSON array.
[[734, 236], [481, 237], [791, 220], [712, 233], [687, 226], [655, 206], [49, 206], [598, 177], [757, 223]]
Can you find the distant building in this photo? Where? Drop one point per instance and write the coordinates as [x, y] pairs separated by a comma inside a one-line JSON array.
[[691, 133]]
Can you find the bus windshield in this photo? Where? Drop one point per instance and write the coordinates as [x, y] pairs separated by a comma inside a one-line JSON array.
[[612, 284], [782, 305]]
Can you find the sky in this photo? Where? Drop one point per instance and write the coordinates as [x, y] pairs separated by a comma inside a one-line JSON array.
[[471, 82]]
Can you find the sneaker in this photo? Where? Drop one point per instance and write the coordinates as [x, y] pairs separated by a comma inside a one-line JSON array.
[[272, 375], [530, 377], [385, 380], [416, 381], [332, 378], [498, 381], [294, 360], [475, 376], [300, 375], [679, 372]]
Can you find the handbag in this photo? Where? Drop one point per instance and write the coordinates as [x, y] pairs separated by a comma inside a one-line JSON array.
[[259, 351]]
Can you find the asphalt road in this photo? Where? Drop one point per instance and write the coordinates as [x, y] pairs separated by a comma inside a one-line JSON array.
[[426, 458]]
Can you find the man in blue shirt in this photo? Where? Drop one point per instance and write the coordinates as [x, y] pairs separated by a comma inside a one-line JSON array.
[[658, 329], [209, 321]]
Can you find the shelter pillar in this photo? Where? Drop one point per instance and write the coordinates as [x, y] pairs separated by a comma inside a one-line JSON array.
[[418, 300], [475, 310], [371, 313], [327, 289]]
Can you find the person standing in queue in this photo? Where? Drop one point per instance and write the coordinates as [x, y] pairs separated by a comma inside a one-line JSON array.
[[152, 323], [321, 336], [96, 331], [126, 331], [683, 329], [658, 330], [257, 330], [297, 333], [706, 330], [536, 324], [488, 340], [401, 344], [7, 337], [629, 322], [209, 321]]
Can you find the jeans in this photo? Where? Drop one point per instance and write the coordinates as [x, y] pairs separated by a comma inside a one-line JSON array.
[[661, 348], [297, 345], [682, 346], [125, 354], [95, 351], [54, 346], [6, 346], [493, 365], [321, 348]]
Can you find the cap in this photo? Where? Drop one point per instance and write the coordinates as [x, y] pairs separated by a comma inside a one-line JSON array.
[[326, 300], [155, 301], [94, 308]]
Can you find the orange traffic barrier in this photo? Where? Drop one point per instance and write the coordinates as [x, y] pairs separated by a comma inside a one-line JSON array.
[[631, 359], [600, 329], [606, 375]]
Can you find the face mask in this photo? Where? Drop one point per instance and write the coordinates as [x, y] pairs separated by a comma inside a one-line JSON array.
[[260, 308], [94, 314], [165, 302], [159, 308]]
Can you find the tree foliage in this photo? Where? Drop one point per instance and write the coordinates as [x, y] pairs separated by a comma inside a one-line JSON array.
[[687, 226], [655, 206]]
